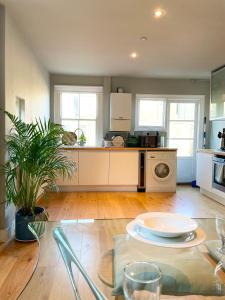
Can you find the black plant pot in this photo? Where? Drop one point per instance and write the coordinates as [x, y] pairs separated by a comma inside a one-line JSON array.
[[22, 232]]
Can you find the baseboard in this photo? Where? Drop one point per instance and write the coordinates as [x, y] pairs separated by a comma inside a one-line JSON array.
[[106, 188], [214, 195], [161, 189], [8, 233]]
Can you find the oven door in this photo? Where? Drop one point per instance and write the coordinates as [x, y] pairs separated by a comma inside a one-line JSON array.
[[219, 174]]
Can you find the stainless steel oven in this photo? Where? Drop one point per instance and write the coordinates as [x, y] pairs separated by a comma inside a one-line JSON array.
[[219, 172]]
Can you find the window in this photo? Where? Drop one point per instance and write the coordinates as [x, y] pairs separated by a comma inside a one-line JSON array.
[[80, 108], [150, 113], [181, 127], [20, 108]]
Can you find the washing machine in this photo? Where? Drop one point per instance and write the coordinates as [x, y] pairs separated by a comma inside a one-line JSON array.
[[161, 172]]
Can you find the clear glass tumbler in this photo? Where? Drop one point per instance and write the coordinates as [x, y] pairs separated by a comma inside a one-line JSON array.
[[142, 281], [220, 229]]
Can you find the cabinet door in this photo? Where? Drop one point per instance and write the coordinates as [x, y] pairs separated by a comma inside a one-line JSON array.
[[123, 168], [204, 170], [93, 167], [120, 125], [73, 156], [120, 106]]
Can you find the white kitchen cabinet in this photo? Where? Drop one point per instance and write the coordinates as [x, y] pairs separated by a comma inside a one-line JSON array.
[[204, 170], [73, 156], [93, 167], [120, 125], [123, 168], [120, 111]]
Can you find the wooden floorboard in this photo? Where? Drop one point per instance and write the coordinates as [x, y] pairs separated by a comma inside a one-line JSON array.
[[105, 205], [17, 264], [17, 260]]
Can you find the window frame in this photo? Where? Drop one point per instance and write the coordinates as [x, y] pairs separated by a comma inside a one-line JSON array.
[[195, 135], [146, 97], [98, 90]]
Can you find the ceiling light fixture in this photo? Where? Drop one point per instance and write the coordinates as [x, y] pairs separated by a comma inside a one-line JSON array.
[[143, 38], [133, 55], [159, 13]]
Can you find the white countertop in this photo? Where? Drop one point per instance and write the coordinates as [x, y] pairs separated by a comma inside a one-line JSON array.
[[212, 151]]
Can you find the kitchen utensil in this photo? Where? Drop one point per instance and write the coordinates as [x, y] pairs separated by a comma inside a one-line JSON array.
[[69, 138], [118, 141], [166, 224], [184, 241], [142, 281]]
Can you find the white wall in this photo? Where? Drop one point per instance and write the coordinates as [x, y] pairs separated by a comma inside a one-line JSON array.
[[25, 77]]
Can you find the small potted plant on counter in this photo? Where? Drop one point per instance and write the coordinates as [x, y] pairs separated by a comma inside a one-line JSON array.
[[34, 161], [81, 138]]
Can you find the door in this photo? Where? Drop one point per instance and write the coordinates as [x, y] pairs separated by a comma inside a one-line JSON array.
[[162, 171], [123, 168], [182, 134], [204, 170], [73, 180], [93, 167]]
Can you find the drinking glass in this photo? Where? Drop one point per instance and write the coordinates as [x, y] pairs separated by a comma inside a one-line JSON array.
[[142, 281], [220, 229]]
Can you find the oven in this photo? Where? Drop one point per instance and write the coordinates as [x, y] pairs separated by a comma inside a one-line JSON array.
[[219, 172]]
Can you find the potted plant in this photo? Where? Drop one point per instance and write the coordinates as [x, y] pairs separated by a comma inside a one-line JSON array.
[[82, 138], [34, 162]]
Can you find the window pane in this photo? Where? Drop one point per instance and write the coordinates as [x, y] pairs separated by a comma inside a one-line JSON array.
[[89, 128], [69, 106], [151, 113], [185, 147], [88, 107], [181, 129], [70, 125], [182, 111]]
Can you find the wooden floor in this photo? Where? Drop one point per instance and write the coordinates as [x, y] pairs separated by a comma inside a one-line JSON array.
[[106, 205], [17, 264], [17, 260]]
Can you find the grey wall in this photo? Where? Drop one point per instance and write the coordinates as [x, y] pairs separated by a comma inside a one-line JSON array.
[[135, 86], [2, 118], [164, 86]]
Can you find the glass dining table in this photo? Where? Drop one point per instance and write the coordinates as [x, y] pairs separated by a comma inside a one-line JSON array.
[[92, 242]]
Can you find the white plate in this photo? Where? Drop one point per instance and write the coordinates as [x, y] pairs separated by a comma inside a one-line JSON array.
[[136, 232], [166, 224]]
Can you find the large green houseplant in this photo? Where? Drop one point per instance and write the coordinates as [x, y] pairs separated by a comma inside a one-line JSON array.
[[34, 161]]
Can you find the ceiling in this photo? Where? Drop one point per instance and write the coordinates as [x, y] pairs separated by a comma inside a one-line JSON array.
[[96, 37]]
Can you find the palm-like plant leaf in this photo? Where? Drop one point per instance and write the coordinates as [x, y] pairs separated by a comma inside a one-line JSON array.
[[34, 160]]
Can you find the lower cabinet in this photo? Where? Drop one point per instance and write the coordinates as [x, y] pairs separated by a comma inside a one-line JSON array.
[[204, 170], [93, 167], [123, 168], [102, 168], [73, 156]]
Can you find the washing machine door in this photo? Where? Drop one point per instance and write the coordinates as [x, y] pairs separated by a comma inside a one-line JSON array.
[[162, 170]]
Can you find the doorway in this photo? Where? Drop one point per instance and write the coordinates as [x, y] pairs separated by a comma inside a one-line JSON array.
[[185, 132]]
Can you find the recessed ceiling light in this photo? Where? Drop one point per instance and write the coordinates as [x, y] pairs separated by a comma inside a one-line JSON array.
[[159, 13], [143, 38], [133, 55]]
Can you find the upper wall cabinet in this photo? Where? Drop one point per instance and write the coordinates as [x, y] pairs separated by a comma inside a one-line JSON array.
[[120, 111], [217, 105]]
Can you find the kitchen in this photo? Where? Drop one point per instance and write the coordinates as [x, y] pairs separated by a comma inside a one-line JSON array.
[[132, 127], [133, 86]]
